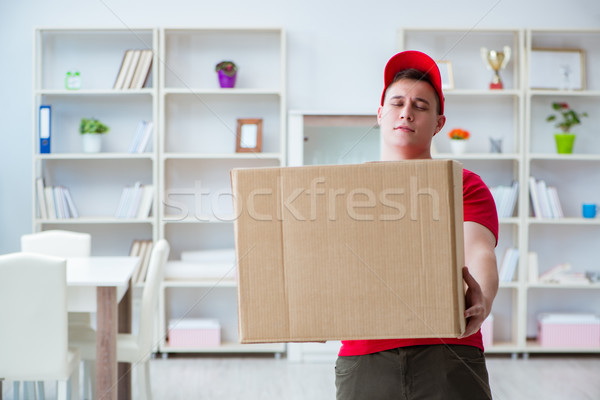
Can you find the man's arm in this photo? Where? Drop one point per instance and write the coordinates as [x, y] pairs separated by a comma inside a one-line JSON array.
[[480, 274]]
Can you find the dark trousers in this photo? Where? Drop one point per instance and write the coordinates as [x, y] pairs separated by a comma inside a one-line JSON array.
[[448, 372]]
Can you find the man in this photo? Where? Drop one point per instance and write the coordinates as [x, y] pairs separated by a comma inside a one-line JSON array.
[[410, 115]]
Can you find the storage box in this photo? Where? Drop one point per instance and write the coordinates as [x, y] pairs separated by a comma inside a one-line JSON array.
[[367, 251], [194, 333], [569, 330]]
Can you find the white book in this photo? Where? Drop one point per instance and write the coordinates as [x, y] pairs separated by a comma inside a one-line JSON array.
[[135, 57], [146, 202], [41, 198], [535, 202], [142, 69], [134, 200], [147, 134], [125, 65], [58, 202], [544, 200], [51, 208], [120, 213], [71, 204], [512, 199], [509, 265], [137, 137], [555, 202]]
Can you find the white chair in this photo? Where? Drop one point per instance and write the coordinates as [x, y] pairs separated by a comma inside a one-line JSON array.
[[61, 243], [135, 349], [34, 333]]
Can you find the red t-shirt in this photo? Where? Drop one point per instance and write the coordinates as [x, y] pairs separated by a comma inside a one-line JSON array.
[[478, 206]]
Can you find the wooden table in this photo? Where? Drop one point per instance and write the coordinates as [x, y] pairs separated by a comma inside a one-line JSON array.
[[110, 277]]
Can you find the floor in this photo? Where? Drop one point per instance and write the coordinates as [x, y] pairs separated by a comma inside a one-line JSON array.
[[262, 377]]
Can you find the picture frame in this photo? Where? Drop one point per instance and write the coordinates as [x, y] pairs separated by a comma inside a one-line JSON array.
[[557, 69], [249, 135], [446, 74]]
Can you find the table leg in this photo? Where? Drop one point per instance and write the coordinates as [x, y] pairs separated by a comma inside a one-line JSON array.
[[106, 343], [124, 369]]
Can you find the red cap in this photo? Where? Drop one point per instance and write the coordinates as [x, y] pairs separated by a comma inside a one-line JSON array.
[[419, 61]]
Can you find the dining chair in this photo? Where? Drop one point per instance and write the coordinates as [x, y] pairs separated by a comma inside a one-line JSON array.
[[34, 333], [135, 348], [62, 243]]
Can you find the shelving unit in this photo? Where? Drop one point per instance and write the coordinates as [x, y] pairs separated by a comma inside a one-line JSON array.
[[516, 115], [95, 180], [198, 125]]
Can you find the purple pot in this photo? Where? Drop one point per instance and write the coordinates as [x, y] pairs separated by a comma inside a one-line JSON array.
[[226, 81]]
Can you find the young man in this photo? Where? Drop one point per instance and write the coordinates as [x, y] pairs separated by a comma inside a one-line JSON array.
[[410, 115]]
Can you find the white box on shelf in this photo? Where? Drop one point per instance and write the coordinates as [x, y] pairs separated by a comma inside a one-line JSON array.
[[194, 332]]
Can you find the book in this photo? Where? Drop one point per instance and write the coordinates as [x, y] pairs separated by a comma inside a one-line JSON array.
[[45, 119], [125, 65], [508, 265], [142, 136], [70, 203], [555, 202], [142, 70], [41, 197], [535, 202], [145, 252], [135, 57], [146, 201], [51, 208]]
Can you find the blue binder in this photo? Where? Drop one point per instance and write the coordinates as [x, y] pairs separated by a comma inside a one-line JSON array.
[[45, 118]]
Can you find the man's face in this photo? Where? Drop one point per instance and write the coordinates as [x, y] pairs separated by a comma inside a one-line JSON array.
[[408, 117]]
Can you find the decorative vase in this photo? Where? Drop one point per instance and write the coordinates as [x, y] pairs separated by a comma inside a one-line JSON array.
[[564, 142], [92, 142], [458, 146], [225, 80]]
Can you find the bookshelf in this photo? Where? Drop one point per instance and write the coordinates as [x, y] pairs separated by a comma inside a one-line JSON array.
[[517, 115], [95, 180], [198, 149]]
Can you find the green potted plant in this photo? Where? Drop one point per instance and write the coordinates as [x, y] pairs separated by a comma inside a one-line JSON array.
[[92, 130], [227, 71], [565, 120]]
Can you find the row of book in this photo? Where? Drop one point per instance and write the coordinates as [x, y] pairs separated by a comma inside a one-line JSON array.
[[505, 198], [136, 201], [508, 265], [135, 69], [55, 202], [142, 136], [544, 199], [141, 249]]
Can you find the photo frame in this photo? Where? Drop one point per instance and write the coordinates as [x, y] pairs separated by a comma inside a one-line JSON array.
[[445, 67], [557, 69], [249, 135]]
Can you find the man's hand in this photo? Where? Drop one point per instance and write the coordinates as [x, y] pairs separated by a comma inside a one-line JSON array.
[[475, 308]]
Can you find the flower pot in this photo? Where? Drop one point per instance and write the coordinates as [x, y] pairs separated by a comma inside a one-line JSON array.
[[564, 142], [225, 80], [458, 146], [91, 142]]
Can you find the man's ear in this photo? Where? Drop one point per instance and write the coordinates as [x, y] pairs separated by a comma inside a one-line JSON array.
[[379, 115], [441, 121]]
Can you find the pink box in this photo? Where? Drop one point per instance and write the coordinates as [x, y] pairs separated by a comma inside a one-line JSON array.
[[194, 333], [569, 330]]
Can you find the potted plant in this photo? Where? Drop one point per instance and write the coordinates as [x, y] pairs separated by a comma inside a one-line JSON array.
[[227, 71], [91, 130], [458, 140], [565, 120]]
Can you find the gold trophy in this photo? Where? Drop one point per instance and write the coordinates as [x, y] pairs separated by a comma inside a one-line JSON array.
[[496, 60]]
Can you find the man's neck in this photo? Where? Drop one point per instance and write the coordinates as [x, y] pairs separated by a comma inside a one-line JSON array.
[[399, 154]]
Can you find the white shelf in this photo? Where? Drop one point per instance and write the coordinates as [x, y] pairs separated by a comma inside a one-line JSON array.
[[533, 346], [478, 156], [563, 221], [564, 157], [222, 156], [95, 156], [228, 348], [94, 92], [225, 92], [96, 220], [563, 286]]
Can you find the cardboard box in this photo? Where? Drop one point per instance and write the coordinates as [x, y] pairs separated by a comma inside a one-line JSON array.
[[367, 251], [569, 330], [194, 332]]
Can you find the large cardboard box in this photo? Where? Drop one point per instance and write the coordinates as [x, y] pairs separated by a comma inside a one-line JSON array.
[[367, 251]]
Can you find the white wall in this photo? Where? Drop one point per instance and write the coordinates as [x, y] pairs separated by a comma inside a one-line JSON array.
[[336, 53]]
